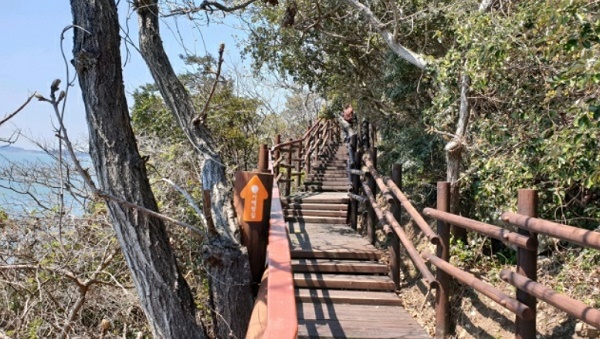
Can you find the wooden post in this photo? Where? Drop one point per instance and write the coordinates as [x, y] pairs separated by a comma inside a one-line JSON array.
[[372, 218], [252, 201], [276, 154], [308, 157], [373, 135], [288, 174], [353, 215], [527, 201], [394, 242], [298, 165], [364, 135], [263, 159], [442, 308]]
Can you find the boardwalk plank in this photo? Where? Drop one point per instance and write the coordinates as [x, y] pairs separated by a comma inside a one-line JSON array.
[[338, 266], [304, 295], [344, 281], [342, 291]]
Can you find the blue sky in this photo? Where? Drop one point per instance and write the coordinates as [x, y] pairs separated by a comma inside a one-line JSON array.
[[30, 59]]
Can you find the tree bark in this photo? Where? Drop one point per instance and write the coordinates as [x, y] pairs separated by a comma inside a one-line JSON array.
[[164, 294], [414, 58], [454, 154], [226, 261]]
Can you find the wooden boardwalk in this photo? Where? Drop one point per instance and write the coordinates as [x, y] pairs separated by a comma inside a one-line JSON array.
[[342, 290]]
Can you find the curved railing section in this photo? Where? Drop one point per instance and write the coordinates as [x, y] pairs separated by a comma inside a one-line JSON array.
[[293, 159]]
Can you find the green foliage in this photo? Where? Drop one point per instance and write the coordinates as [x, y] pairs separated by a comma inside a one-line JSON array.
[[150, 116], [535, 91], [233, 120]]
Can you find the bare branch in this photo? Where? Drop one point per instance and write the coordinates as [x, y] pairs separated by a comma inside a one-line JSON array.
[[414, 58], [144, 210], [201, 118], [208, 6], [11, 115], [66, 273], [189, 199]]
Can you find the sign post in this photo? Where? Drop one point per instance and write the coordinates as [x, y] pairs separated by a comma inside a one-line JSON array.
[[252, 200]]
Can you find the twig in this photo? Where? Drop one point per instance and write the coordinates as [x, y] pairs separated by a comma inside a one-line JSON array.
[[144, 210], [201, 118], [189, 199], [90, 183], [10, 116], [208, 7]]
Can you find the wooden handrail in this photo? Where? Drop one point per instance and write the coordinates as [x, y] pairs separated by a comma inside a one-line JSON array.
[[521, 240], [292, 142], [574, 307], [391, 187], [511, 304], [579, 236], [299, 153], [525, 239], [276, 295], [282, 319], [388, 221]]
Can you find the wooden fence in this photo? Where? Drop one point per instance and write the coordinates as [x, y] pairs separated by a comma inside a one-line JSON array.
[[367, 183], [293, 159]]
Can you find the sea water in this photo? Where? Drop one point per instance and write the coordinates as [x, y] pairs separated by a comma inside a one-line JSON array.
[[21, 189]]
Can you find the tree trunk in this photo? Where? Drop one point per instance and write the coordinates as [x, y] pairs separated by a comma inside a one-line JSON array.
[[225, 260], [164, 294], [454, 155]]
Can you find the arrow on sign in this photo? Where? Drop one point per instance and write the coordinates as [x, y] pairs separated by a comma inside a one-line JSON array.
[[254, 195]]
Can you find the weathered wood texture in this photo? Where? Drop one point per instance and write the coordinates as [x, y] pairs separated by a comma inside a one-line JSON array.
[[342, 291]]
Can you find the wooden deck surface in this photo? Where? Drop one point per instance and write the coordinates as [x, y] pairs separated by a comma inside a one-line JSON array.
[[342, 290]]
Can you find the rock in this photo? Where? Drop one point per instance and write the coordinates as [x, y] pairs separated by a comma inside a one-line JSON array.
[[586, 331]]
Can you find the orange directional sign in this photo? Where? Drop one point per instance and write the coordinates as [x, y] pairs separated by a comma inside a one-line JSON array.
[[254, 195]]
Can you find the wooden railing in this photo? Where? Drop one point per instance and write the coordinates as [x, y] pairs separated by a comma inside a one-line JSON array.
[[294, 158], [274, 314], [367, 183]]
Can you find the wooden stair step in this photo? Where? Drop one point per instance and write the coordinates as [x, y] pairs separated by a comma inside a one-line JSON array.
[[304, 295], [314, 213], [321, 198], [321, 320], [335, 179], [328, 188], [328, 171], [329, 184], [344, 281], [329, 167], [331, 162], [300, 253], [309, 206], [338, 266], [321, 178], [340, 158], [317, 219]]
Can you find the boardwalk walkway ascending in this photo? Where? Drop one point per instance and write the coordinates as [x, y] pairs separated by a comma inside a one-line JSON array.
[[342, 291]]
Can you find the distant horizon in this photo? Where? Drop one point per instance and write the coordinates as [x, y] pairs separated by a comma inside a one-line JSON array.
[[13, 148]]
